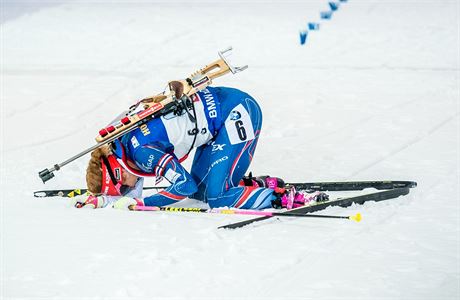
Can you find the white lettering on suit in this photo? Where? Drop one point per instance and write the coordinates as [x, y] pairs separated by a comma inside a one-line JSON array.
[[210, 103]]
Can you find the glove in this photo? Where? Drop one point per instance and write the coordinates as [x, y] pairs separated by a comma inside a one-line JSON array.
[[126, 202], [91, 202]]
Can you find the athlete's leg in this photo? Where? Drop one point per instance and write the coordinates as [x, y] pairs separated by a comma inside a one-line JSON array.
[[219, 166]]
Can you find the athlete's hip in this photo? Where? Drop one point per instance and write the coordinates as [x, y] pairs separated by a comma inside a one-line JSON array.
[[234, 104]]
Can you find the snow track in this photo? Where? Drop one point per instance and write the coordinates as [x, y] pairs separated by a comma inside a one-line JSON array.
[[373, 95]]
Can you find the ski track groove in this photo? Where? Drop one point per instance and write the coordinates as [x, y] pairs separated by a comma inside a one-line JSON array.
[[303, 246], [98, 104], [365, 119], [359, 68], [407, 144], [308, 260], [83, 82], [97, 74], [130, 62], [45, 142]]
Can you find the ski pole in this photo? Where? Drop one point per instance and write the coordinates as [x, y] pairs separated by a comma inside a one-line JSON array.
[[355, 218]]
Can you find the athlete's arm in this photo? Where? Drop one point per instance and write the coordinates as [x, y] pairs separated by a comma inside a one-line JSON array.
[[152, 159]]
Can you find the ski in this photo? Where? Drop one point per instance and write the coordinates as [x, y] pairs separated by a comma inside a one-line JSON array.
[[343, 202], [352, 185], [70, 193], [313, 186]]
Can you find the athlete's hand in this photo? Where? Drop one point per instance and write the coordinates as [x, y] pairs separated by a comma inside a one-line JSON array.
[[91, 202], [126, 202]]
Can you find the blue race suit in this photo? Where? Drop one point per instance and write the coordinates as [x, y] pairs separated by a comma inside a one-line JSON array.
[[229, 123]]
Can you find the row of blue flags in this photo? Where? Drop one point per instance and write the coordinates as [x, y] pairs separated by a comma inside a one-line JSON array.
[[325, 15]]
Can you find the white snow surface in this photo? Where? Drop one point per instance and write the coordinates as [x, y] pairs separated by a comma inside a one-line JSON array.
[[373, 95]]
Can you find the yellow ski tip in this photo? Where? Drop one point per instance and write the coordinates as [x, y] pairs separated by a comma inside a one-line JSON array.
[[356, 218]]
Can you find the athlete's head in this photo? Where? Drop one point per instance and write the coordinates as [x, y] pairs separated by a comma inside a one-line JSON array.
[[105, 175]]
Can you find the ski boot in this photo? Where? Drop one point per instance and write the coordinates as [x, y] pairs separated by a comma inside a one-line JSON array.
[[292, 199], [266, 181]]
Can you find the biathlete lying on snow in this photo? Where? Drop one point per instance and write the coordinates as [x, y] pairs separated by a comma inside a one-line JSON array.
[[223, 124]]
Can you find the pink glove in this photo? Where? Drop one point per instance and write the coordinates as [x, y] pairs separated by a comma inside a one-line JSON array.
[[126, 202], [91, 202]]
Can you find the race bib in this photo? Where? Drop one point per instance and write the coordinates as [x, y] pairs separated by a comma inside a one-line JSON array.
[[239, 126]]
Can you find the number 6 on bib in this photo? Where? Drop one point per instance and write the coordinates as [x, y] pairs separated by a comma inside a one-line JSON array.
[[239, 126]]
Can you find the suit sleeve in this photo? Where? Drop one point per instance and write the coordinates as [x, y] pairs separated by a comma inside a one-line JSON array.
[[154, 160]]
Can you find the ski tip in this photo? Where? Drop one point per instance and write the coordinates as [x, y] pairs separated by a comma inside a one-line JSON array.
[[356, 218]]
